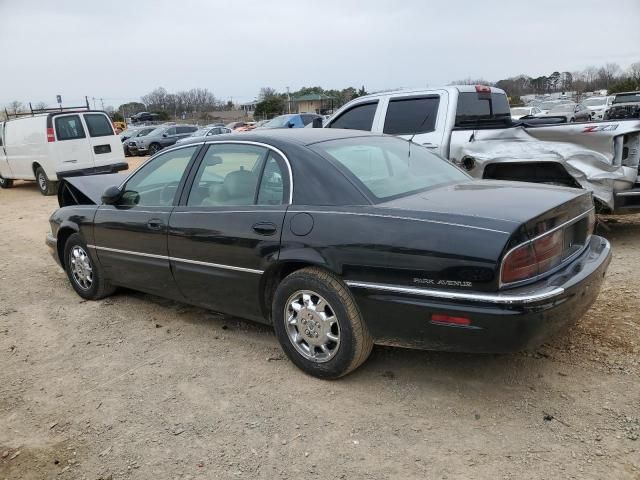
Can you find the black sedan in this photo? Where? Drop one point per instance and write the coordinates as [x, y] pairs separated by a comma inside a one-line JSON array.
[[340, 239]]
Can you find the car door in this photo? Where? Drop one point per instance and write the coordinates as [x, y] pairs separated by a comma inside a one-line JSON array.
[[72, 148], [417, 117], [226, 231], [131, 236], [105, 145]]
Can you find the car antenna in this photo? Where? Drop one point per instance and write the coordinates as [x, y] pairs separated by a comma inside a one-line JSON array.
[[417, 130]]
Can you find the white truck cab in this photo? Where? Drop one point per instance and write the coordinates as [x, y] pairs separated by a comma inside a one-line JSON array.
[[54, 144]]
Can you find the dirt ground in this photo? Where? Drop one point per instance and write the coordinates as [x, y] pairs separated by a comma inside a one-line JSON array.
[[136, 387]]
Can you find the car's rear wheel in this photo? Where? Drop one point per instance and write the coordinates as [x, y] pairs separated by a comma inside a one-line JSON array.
[[154, 148], [46, 186], [86, 277], [319, 325], [5, 182]]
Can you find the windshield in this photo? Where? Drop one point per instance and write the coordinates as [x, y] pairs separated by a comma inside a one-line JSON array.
[[547, 105], [594, 102], [144, 132], [384, 167], [520, 111], [627, 98], [201, 132], [278, 122], [566, 107], [478, 108], [156, 132]]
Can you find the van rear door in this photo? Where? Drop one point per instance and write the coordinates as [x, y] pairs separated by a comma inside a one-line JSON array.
[[105, 145], [71, 148]]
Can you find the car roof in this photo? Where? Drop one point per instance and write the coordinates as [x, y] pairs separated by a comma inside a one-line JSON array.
[[299, 136]]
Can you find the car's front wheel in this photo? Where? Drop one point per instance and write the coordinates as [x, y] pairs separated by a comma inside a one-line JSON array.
[[86, 277], [319, 325], [154, 148]]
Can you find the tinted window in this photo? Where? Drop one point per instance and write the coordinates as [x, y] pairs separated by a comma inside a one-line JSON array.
[[69, 128], [271, 191], [186, 129], [384, 167], [227, 175], [98, 125], [627, 98], [156, 183], [482, 109], [406, 116], [359, 117], [171, 131]]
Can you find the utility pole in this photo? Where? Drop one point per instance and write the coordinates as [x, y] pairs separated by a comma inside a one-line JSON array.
[[288, 101], [102, 103], [94, 102]]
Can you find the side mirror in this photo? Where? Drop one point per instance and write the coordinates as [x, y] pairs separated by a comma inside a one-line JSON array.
[[289, 124], [164, 135], [111, 195], [317, 123]]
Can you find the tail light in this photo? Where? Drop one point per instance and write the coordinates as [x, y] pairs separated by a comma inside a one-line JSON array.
[[51, 137], [450, 320], [533, 258]]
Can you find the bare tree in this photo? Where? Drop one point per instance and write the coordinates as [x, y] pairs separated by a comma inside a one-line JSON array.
[[608, 73], [634, 71], [15, 107], [40, 106], [267, 92], [156, 99]]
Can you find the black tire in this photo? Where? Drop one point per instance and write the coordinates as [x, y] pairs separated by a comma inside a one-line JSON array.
[[46, 186], [355, 342], [95, 289], [154, 148], [5, 182], [127, 153]]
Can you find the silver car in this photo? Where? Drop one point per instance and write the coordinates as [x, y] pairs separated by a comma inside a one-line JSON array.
[[204, 132]]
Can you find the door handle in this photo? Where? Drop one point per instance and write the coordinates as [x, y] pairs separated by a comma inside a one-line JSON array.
[[430, 145], [155, 224], [265, 228]]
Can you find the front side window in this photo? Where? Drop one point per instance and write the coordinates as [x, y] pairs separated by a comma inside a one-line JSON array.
[[228, 175], [156, 183], [408, 116], [171, 131], [182, 130], [359, 117], [69, 128], [98, 125], [387, 167]]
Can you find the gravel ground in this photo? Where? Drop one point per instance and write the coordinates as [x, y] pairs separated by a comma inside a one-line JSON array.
[[137, 387]]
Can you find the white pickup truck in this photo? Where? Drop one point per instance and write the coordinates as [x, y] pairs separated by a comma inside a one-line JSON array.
[[472, 127]]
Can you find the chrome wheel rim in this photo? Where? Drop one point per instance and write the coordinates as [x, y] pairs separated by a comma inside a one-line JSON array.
[[42, 181], [312, 326], [81, 269]]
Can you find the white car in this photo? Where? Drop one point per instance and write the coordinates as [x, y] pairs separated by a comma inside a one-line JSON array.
[[48, 146], [518, 112], [598, 106]]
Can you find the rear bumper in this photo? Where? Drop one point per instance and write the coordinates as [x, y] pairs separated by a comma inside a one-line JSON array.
[[112, 168], [500, 322], [627, 201]]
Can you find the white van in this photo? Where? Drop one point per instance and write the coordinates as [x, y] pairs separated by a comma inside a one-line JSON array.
[[46, 147]]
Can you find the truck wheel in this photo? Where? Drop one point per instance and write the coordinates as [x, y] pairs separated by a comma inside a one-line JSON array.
[[319, 325], [46, 186], [5, 182], [86, 277], [153, 149]]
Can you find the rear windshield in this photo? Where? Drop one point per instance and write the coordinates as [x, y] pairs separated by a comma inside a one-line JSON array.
[[627, 98], [98, 125], [386, 168], [477, 110]]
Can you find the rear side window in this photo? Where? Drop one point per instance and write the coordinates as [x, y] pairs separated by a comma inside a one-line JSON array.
[[98, 125], [186, 129], [359, 117], [406, 116], [69, 128]]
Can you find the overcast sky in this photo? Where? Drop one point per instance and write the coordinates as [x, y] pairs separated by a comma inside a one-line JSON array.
[[120, 50]]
